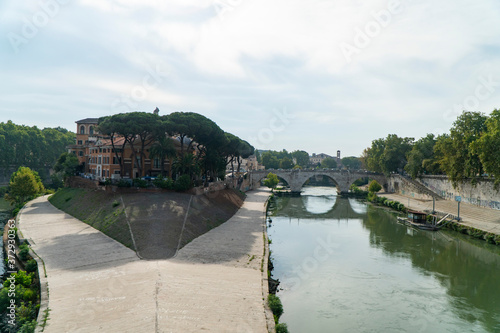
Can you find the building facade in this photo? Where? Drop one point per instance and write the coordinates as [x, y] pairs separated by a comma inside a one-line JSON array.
[[100, 160]]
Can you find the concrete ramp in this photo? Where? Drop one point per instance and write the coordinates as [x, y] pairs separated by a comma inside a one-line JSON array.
[[98, 285]]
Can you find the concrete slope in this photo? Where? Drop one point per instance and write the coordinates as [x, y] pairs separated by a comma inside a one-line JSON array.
[[98, 285]]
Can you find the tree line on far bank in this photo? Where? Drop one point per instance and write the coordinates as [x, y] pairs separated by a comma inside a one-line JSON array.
[[469, 151]]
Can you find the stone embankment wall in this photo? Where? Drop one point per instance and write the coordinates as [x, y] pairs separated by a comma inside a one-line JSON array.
[[483, 194], [399, 184]]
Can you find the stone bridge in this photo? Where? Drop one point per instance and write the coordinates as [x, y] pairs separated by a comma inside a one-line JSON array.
[[296, 178]]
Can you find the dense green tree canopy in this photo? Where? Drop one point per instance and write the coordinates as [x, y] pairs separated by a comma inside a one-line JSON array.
[[67, 165], [351, 162], [302, 158], [421, 159], [205, 149], [329, 163], [31, 147], [487, 147], [387, 155], [456, 156], [469, 151]]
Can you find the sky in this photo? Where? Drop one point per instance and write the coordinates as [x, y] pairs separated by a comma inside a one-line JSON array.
[[315, 75]]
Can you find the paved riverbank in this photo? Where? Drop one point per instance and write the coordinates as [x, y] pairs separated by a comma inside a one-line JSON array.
[[96, 284], [485, 219]]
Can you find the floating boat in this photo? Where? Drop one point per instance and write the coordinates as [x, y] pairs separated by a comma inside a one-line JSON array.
[[418, 220]]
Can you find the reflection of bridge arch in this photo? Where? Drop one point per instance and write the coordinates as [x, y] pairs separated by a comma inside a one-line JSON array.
[[296, 178], [295, 207]]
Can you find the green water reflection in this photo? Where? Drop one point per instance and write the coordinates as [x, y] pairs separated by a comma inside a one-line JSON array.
[[346, 266]]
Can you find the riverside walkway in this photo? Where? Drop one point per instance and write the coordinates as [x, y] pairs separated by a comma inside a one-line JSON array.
[[485, 219], [96, 284]]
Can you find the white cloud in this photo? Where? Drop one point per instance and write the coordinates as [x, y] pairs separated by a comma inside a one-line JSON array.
[[256, 56]]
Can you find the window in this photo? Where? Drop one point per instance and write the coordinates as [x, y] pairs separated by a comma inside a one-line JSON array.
[[99, 160], [80, 153], [82, 129], [80, 142], [156, 163], [115, 160], [91, 130]]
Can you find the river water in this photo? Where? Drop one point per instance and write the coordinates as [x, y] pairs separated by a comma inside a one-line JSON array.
[[346, 266]]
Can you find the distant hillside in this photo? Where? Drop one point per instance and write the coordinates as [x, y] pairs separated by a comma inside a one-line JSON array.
[[156, 219]]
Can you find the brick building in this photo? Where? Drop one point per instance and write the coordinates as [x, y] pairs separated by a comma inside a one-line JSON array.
[[96, 153]]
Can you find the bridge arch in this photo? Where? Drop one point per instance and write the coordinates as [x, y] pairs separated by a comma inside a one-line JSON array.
[[297, 178]]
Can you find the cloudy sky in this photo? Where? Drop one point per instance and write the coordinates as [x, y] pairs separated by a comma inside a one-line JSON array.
[[317, 75]]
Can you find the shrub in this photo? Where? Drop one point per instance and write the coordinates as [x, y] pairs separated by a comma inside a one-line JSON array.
[[24, 252], [281, 328], [116, 203], [162, 182], [374, 186], [31, 266], [276, 306], [140, 183], [183, 183], [124, 183]]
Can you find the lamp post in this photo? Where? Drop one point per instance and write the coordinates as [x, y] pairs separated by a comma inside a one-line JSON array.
[[458, 199]]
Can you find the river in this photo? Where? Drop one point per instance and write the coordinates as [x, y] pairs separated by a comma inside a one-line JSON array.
[[346, 266]]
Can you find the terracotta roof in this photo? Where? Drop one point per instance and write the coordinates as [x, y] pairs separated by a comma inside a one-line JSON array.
[[87, 121]]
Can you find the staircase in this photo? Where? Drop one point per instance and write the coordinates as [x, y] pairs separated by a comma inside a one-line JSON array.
[[420, 188]]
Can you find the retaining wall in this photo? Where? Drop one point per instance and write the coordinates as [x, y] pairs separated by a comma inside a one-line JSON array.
[[483, 194]]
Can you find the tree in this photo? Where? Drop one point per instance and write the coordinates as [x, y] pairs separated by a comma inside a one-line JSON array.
[[351, 162], [31, 147], [286, 163], [374, 186], [329, 163], [24, 184], [454, 151], [487, 146], [387, 155], [271, 181], [67, 165], [270, 161], [421, 158], [301, 157]]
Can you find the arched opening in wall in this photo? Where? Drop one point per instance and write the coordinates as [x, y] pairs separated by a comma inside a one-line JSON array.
[[320, 181], [91, 130], [82, 129], [319, 194], [283, 184], [360, 183]]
